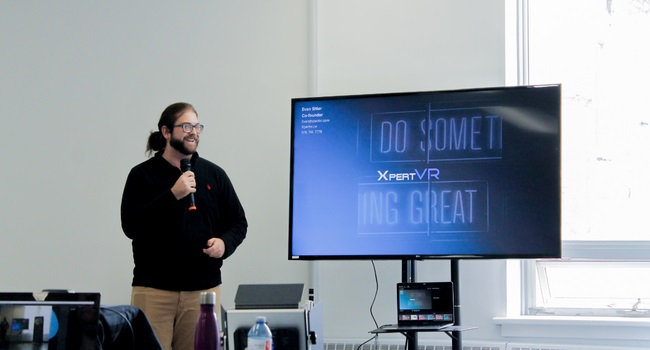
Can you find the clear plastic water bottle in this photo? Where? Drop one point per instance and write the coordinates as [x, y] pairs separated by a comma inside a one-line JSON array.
[[260, 337], [206, 336]]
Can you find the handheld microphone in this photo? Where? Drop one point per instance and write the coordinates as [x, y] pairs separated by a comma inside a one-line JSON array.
[[187, 166]]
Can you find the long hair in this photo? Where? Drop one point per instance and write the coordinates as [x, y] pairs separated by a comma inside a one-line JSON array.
[[168, 118]]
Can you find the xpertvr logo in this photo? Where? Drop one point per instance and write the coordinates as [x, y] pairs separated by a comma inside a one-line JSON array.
[[424, 174]]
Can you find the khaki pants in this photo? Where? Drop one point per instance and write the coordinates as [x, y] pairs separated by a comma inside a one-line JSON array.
[[172, 315]]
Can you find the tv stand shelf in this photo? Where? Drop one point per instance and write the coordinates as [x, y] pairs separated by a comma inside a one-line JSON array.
[[410, 330], [452, 331]]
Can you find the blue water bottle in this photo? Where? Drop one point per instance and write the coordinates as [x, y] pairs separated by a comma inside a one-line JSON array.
[[206, 336], [260, 337]]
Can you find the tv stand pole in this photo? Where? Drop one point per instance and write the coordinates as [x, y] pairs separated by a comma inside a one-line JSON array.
[[456, 338], [409, 276], [408, 271]]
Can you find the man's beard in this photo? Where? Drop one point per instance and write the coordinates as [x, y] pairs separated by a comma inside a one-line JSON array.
[[179, 145]]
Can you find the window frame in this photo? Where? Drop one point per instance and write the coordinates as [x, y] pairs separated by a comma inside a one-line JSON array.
[[525, 277]]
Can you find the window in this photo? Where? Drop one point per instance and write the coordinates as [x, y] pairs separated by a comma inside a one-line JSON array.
[[599, 52], [613, 288]]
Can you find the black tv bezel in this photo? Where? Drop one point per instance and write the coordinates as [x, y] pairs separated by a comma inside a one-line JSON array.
[[405, 257]]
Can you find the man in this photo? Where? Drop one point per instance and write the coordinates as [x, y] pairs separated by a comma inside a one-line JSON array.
[[178, 252]]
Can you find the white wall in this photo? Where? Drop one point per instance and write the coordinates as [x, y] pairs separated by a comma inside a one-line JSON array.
[[82, 84]]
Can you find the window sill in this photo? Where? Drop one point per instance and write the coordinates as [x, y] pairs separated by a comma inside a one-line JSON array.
[[575, 327]]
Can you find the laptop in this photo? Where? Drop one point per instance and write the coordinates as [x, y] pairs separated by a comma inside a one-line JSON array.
[[424, 306], [49, 320]]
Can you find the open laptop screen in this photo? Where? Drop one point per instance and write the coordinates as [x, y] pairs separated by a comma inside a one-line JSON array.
[[425, 304], [49, 320]]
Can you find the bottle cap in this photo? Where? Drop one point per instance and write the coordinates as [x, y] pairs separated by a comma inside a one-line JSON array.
[[260, 319], [208, 298]]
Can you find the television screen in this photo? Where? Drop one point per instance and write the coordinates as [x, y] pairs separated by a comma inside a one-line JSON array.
[[469, 173]]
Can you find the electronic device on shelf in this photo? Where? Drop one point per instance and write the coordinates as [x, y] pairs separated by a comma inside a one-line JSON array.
[[424, 306]]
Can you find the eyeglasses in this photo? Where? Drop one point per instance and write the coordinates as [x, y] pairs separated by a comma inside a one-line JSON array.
[[187, 127]]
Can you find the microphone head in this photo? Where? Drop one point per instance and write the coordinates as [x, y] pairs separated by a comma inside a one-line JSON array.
[[185, 165]]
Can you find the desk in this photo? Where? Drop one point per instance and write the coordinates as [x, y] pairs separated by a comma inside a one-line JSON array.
[[451, 331]]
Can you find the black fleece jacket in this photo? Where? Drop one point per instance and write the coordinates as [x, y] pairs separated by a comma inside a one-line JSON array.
[[167, 238]]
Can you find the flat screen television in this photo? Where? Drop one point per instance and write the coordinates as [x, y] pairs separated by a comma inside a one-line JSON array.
[[458, 174]]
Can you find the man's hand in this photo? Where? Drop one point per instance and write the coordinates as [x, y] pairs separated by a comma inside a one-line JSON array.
[[185, 185], [216, 248]]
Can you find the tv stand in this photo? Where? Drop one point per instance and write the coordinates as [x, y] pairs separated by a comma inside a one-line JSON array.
[[454, 332]]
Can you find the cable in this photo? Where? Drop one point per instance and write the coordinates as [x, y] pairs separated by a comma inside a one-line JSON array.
[[374, 268], [372, 305], [365, 342]]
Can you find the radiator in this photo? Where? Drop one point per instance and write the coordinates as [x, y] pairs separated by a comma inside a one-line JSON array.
[[422, 345], [468, 345], [401, 347], [533, 346]]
